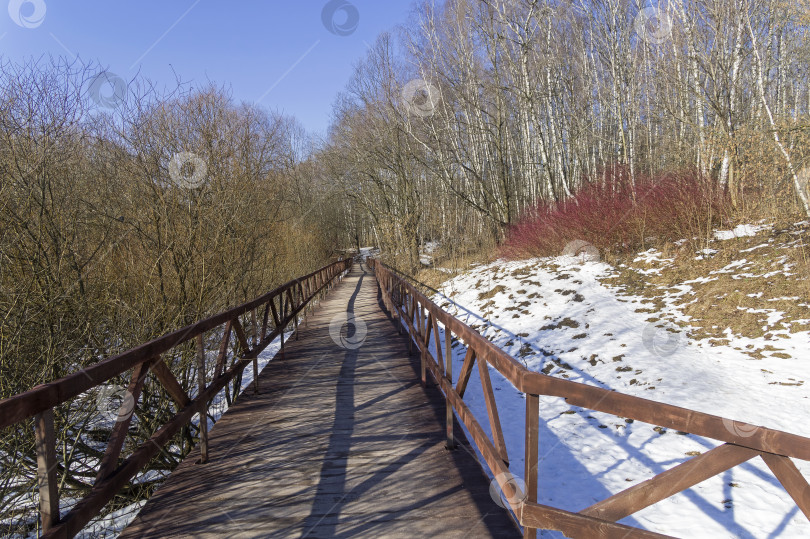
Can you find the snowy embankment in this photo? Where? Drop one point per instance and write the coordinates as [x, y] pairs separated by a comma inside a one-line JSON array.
[[558, 316]]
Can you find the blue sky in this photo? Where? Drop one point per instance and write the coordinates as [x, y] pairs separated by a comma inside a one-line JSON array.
[[279, 52]]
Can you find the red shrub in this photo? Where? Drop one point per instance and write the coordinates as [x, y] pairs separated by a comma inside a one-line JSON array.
[[614, 216]]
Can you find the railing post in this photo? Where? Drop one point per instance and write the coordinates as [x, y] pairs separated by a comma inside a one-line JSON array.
[[255, 343], [293, 307], [532, 446], [265, 319], [399, 303], [305, 288], [422, 333], [45, 439], [397, 306], [412, 326], [283, 326], [254, 328], [448, 373], [304, 294], [203, 404]]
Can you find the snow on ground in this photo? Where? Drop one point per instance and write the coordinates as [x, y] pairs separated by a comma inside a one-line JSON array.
[[113, 524], [557, 317], [426, 253], [739, 231], [366, 252]]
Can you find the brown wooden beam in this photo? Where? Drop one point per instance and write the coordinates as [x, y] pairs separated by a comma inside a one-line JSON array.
[[203, 403], [45, 439], [492, 411], [119, 432], [170, 384], [223, 350], [576, 525], [46, 396], [240, 336], [531, 445], [792, 480], [466, 371], [670, 482]]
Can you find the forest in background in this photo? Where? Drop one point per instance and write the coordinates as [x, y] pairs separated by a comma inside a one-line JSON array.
[[480, 113], [124, 216]]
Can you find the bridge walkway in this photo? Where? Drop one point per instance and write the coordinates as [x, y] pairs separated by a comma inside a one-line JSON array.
[[340, 441]]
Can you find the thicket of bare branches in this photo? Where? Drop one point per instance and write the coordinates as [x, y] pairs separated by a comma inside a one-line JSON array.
[[479, 109], [121, 223]]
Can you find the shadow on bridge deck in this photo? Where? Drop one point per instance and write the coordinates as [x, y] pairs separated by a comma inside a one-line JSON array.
[[339, 442]]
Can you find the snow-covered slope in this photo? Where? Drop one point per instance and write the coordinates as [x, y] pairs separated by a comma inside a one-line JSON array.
[[558, 316]]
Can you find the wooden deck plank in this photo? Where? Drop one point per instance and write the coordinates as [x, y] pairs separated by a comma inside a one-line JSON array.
[[337, 443]]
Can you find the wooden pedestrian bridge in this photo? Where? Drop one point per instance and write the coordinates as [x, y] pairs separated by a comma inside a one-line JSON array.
[[354, 428]]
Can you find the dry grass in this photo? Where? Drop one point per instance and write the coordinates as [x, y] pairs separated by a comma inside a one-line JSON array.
[[746, 282], [452, 264], [745, 299]]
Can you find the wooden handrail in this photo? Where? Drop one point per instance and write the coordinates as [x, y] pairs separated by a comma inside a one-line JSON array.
[[409, 307], [45, 396], [286, 303]]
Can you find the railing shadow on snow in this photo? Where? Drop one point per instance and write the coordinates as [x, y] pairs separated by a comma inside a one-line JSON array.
[[420, 317], [572, 465]]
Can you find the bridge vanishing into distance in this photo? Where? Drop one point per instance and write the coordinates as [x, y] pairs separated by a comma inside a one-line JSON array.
[[341, 440], [358, 432]]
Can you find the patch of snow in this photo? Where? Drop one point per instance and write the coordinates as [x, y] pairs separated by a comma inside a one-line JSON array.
[[740, 231], [730, 267], [705, 253], [754, 248], [368, 252], [566, 322]]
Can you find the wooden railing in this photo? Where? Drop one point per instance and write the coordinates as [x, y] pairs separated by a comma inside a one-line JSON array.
[[284, 304], [742, 442]]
